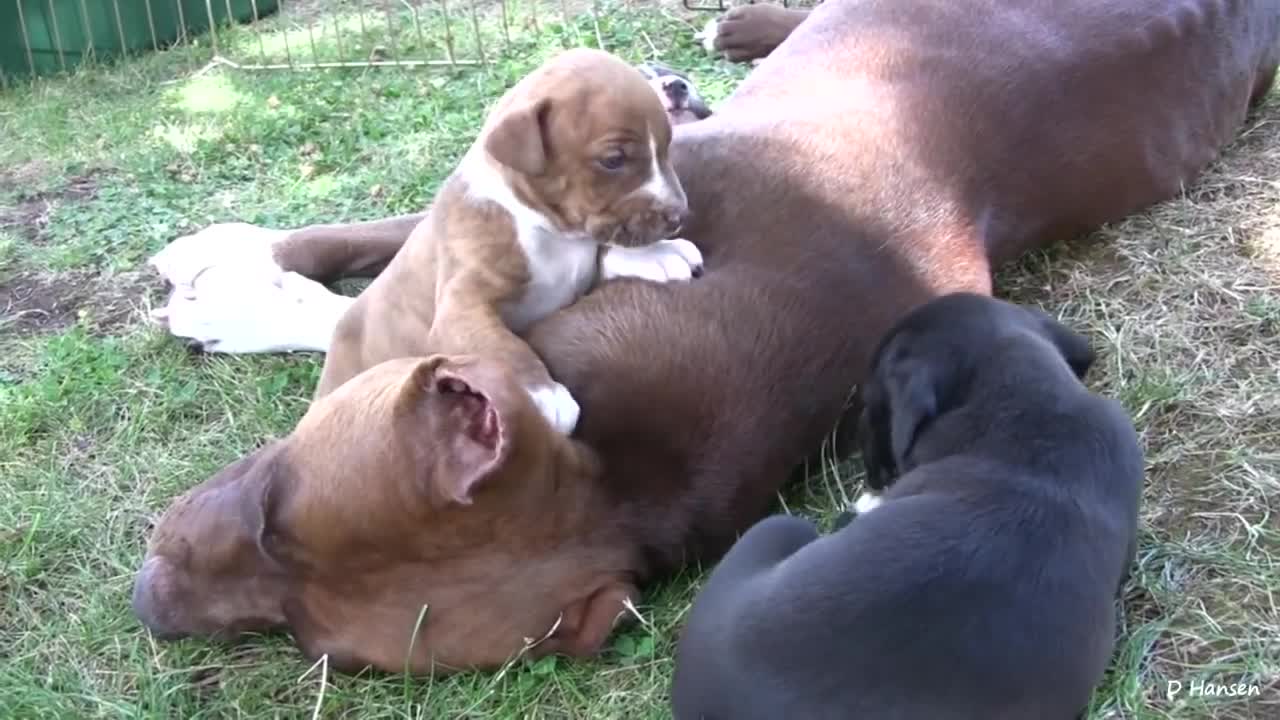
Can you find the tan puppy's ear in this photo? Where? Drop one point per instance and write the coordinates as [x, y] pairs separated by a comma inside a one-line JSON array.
[[518, 140], [467, 438]]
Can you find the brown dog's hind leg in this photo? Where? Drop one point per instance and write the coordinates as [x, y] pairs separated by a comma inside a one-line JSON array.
[[748, 32], [1266, 80], [329, 252]]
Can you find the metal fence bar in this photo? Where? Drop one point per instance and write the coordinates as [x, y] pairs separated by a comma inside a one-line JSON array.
[[311, 38], [402, 38], [151, 23], [506, 30], [337, 33], [262, 48], [569, 27], [417, 27], [26, 39], [284, 34], [347, 64], [115, 6], [391, 32], [182, 23], [595, 23], [84, 18], [213, 27], [360, 11], [57, 37], [448, 30], [475, 27]]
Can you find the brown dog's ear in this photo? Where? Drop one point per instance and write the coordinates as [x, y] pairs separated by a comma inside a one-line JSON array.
[[271, 487], [518, 140], [468, 433]]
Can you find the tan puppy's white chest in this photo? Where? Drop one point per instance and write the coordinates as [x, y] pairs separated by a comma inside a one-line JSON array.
[[561, 269]]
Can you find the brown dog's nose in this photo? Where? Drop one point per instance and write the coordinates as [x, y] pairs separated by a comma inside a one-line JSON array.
[[146, 607]]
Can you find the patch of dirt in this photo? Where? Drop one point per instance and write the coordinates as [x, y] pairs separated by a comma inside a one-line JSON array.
[[33, 303], [30, 216]]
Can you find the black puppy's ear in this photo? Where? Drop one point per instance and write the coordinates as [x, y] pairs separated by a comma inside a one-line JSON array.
[[1075, 348], [873, 442], [901, 398], [913, 401]]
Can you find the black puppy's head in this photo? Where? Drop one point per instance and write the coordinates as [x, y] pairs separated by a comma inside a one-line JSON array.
[[922, 365], [679, 95]]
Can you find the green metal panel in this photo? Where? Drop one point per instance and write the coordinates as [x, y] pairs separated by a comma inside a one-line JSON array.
[[32, 32]]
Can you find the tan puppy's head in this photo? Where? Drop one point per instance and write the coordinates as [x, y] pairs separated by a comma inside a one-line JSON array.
[[583, 140], [421, 517]]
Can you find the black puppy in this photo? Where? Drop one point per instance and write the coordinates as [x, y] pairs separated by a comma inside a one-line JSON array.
[[984, 586]]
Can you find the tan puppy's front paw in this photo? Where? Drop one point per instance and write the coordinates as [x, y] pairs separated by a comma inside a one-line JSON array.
[[557, 405], [662, 261]]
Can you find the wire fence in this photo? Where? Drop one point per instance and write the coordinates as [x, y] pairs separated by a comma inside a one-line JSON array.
[[45, 37]]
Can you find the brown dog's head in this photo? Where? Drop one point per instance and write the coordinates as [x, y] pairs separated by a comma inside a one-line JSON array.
[[583, 140], [423, 516]]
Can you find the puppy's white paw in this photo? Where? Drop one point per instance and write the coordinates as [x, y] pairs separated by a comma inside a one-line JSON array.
[[557, 405], [246, 247], [662, 261], [867, 502], [707, 35], [225, 312]]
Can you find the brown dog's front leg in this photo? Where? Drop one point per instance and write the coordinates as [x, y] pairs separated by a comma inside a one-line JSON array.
[[329, 252]]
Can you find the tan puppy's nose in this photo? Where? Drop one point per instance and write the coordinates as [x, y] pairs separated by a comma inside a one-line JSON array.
[[675, 219]]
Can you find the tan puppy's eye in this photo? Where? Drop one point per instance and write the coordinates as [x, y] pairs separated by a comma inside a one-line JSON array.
[[613, 161]]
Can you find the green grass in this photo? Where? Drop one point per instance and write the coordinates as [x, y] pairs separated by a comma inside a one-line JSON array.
[[103, 420]]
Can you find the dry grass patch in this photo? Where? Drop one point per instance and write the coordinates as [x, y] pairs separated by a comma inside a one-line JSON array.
[[1184, 305]]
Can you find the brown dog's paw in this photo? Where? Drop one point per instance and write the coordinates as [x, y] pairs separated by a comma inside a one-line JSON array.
[[750, 32]]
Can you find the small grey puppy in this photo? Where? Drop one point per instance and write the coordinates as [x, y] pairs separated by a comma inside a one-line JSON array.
[[984, 585], [678, 93]]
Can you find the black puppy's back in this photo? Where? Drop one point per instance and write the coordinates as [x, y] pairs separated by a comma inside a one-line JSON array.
[[984, 586]]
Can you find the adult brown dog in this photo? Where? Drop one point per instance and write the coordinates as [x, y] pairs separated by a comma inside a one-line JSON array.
[[885, 153]]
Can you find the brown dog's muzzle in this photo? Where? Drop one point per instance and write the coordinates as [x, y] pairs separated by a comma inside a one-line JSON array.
[[152, 589]]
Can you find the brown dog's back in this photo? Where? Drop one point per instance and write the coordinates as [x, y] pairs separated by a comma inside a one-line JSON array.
[[874, 168]]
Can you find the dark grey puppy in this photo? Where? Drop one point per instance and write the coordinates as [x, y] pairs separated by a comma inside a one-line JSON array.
[[678, 93], [983, 587]]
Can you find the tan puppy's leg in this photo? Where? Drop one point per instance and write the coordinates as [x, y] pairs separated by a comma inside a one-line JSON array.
[[465, 327]]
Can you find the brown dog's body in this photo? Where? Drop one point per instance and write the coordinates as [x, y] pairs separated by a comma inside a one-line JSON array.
[[573, 157], [886, 152]]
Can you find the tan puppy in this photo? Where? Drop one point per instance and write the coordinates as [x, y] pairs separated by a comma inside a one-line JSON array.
[[567, 185]]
